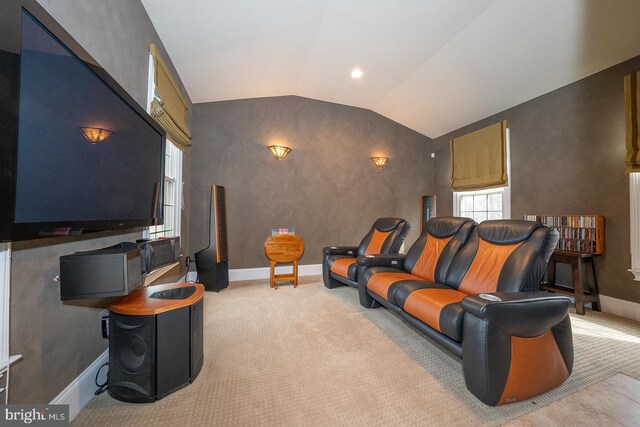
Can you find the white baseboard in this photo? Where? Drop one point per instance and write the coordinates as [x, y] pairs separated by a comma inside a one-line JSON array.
[[83, 388], [238, 274], [619, 307]]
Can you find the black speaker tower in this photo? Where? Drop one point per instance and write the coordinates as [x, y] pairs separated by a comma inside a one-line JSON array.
[[427, 210], [212, 263]]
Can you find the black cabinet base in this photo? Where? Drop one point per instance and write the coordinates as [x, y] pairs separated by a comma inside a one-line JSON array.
[[151, 357]]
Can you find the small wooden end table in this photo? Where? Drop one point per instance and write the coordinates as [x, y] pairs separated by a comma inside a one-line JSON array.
[[585, 287], [284, 248]]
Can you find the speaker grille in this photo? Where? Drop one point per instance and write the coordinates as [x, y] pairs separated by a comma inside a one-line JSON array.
[[132, 358], [173, 341], [163, 252], [197, 345]]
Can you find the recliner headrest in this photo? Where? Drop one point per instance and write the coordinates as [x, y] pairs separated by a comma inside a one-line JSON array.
[[507, 232], [445, 226], [388, 224]]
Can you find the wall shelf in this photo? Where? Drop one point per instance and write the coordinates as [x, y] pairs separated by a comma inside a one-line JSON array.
[[158, 273], [578, 233]]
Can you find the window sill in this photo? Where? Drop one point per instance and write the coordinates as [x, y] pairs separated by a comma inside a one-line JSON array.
[[4, 364], [636, 274]]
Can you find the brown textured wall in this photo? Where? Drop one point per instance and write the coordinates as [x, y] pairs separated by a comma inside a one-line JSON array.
[[567, 157], [60, 340], [327, 188]]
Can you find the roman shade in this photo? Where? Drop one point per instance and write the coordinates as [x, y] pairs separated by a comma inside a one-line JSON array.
[[168, 106], [479, 159], [631, 100]]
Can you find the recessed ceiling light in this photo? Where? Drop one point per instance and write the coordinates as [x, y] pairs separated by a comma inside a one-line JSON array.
[[357, 73]]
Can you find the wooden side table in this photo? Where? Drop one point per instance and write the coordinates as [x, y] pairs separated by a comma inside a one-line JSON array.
[[284, 248], [585, 287]]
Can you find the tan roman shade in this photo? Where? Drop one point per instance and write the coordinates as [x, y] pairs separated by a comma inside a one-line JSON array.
[[631, 104], [168, 106], [479, 159]]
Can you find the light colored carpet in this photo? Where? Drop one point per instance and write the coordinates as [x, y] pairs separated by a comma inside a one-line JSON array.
[[312, 356], [614, 401]]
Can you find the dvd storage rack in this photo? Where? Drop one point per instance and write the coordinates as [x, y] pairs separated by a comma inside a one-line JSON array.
[[578, 233]]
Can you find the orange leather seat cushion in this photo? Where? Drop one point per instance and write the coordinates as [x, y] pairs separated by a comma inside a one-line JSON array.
[[341, 267], [381, 282], [427, 304]]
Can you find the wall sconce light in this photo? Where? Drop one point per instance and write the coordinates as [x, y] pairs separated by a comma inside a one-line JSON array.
[[95, 135], [279, 151], [380, 162]]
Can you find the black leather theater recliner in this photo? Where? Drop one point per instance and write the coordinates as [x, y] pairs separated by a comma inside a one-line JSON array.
[[483, 304], [426, 262], [339, 266]]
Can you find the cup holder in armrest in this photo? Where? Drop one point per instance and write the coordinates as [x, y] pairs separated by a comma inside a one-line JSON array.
[[176, 293], [490, 297]]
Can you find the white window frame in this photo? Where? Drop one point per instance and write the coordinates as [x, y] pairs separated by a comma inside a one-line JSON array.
[[506, 199], [5, 308], [634, 202], [173, 175], [505, 191], [151, 86], [172, 192]]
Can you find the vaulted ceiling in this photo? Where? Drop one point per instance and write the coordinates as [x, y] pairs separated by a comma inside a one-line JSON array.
[[431, 65]]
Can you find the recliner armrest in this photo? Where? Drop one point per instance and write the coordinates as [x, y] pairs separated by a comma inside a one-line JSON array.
[[515, 345], [381, 260], [340, 250], [519, 313]]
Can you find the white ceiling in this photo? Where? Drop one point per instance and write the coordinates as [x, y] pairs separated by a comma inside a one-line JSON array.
[[431, 65]]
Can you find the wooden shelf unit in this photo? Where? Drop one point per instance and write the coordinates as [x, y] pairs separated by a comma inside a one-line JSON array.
[[584, 287], [578, 233]]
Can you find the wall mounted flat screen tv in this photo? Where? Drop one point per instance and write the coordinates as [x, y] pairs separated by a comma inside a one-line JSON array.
[[79, 153]]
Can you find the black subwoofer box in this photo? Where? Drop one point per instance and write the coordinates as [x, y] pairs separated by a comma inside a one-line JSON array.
[[132, 358], [150, 357]]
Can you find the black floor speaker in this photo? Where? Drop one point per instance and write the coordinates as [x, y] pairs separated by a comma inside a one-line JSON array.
[[427, 210], [150, 357], [212, 263]]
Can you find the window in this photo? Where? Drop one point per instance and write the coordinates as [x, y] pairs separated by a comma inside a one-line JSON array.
[[632, 160], [5, 275], [482, 204], [173, 202], [634, 189], [493, 203], [5, 360], [172, 195]]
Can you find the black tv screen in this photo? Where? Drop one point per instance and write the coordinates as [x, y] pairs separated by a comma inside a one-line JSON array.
[[63, 176]]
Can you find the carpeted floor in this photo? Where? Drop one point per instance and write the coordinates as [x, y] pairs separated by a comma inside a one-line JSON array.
[[313, 356]]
